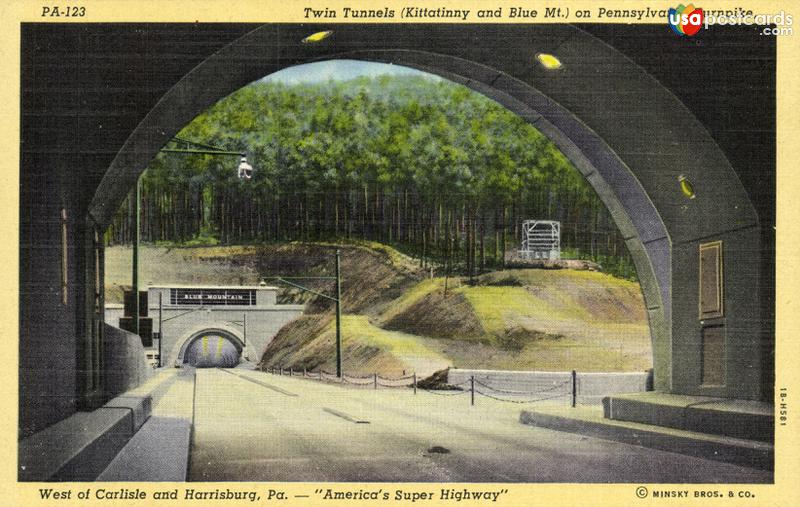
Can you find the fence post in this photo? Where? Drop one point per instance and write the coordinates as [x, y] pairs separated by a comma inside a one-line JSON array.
[[574, 388], [472, 389], [415, 382], [375, 379], [291, 372], [304, 372]]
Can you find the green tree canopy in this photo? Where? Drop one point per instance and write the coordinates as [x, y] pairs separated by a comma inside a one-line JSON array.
[[430, 166]]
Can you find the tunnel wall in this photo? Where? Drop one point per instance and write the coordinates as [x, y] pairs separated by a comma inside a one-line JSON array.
[[741, 321], [48, 345], [76, 111]]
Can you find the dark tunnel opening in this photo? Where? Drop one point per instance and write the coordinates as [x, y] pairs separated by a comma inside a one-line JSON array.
[[212, 350]]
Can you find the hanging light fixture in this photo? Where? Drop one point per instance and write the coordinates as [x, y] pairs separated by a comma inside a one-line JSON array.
[[245, 169]]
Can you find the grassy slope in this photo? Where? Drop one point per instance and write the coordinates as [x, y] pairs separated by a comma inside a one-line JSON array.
[[396, 320], [366, 349], [532, 319]]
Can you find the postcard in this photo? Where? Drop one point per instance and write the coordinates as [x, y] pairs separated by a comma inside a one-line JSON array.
[[397, 253]]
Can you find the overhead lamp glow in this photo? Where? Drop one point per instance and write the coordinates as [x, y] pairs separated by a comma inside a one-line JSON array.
[[317, 37], [548, 61], [686, 187]]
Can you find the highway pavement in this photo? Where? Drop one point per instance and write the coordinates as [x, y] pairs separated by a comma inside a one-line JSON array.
[[254, 426]]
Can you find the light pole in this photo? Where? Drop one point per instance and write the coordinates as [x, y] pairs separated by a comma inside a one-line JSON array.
[[337, 300], [135, 275], [160, 329], [338, 318]]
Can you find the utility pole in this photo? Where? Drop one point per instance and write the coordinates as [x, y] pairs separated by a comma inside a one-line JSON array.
[[160, 328], [135, 275], [337, 300], [338, 318]]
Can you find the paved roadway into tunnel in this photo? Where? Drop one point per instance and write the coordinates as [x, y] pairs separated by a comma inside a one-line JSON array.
[[292, 429]]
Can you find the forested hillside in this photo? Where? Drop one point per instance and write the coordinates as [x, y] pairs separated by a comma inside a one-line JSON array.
[[441, 172]]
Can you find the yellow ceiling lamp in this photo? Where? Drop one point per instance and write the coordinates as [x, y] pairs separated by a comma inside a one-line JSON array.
[[548, 61], [686, 187], [317, 37]]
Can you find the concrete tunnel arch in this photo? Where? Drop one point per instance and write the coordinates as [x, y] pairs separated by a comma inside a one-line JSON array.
[[600, 109]]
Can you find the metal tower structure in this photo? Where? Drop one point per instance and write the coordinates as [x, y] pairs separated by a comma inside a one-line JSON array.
[[541, 239]]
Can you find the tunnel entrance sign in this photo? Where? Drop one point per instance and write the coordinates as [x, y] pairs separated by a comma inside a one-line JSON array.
[[203, 296]]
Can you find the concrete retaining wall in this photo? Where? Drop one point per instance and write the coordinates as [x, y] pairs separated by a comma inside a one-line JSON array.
[[554, 386], [125, 363]]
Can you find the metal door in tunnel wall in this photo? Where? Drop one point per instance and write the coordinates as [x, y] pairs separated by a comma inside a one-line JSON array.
[[712, 313]]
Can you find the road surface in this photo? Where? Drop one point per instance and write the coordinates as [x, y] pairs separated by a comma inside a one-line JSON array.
[[276, 428]]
